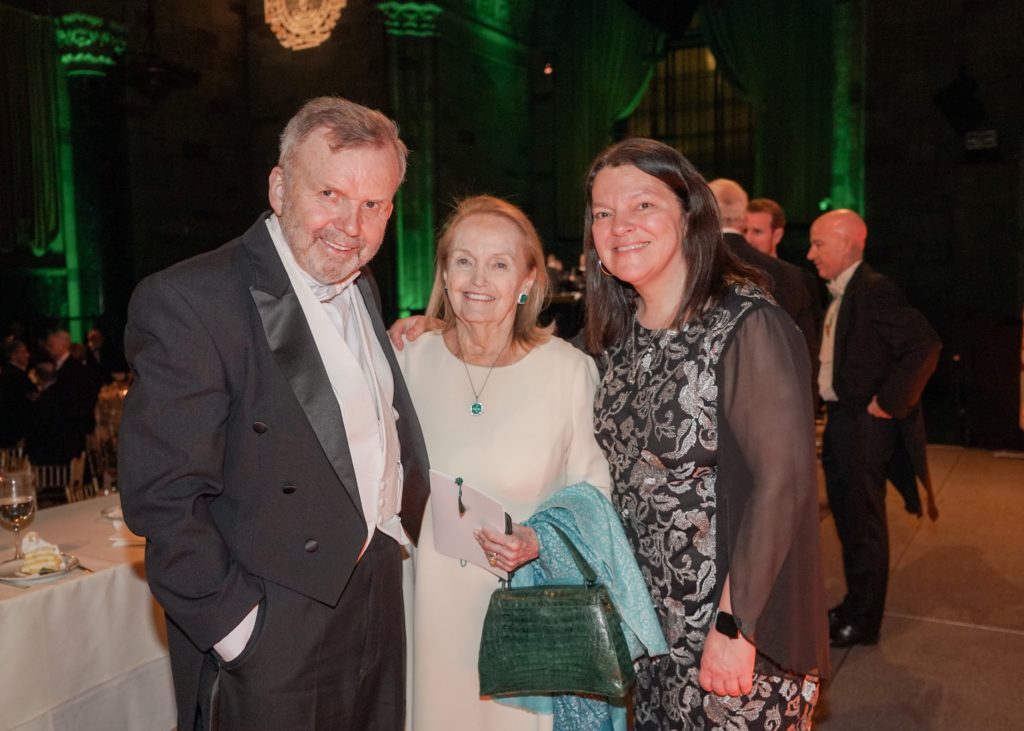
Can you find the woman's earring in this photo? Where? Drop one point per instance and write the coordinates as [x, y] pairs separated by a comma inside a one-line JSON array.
[[523, 297], [603, 268]]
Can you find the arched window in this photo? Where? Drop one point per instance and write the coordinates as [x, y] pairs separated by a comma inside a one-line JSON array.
[[691, 106]]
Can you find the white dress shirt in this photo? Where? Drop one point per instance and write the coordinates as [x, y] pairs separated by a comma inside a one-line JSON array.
[[826, 355], [363, 385]]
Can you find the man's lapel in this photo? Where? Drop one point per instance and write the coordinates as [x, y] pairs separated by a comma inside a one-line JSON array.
[[368, 290], [291, 341]]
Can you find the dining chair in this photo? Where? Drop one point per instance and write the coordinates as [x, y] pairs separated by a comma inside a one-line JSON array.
[[51, 483], [78, 488], [13, 459]]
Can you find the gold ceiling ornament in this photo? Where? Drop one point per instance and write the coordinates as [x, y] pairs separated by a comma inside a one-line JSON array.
[[302, 24]]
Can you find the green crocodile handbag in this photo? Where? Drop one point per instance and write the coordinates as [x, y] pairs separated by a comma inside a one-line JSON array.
[[555, 639]]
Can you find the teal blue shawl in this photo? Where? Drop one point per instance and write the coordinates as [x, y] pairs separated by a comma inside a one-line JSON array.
[[590, 521]]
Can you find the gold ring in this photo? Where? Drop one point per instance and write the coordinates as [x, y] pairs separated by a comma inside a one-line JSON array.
[[492, 559]]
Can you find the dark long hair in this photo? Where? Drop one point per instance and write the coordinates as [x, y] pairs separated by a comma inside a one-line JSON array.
[[710, 266]]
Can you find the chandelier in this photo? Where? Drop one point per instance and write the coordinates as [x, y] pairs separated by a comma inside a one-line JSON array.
[[302, 24]]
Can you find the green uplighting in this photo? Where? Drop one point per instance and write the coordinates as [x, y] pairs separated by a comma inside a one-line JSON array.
[[409, 19], [848, 109], [86, 42], [87, 72], [75, 58]]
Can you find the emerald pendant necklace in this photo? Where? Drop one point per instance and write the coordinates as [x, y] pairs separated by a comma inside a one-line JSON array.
[[476, 408]]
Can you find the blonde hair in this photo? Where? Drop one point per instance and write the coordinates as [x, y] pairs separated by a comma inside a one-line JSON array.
[[525, 329]]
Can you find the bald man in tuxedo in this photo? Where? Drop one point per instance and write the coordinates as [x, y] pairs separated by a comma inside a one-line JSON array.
[[877, 354]]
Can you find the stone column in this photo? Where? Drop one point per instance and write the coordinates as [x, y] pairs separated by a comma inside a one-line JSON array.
[[848, 106], [94, 169], [412, 77]]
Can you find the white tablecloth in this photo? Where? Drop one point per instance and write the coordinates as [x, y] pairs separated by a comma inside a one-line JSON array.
[[85, 651]]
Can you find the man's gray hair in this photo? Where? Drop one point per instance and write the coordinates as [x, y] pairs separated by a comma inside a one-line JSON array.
[[732, 202], [348, 125]]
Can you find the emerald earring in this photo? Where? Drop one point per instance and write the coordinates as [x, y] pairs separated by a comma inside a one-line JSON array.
[[523, 297]]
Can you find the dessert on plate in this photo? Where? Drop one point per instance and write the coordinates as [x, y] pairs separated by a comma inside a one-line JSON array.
[[40, 557]]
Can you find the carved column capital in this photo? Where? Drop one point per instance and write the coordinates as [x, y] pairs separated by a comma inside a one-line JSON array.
[[89, 45], [410, 18]]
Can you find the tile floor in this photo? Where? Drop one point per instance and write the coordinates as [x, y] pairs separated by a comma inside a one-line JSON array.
[[951, 655]]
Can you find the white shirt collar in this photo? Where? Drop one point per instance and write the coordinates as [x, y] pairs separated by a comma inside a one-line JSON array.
[[837, 286]]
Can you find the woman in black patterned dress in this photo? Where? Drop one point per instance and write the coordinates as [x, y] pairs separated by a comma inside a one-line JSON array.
[[704, 414]]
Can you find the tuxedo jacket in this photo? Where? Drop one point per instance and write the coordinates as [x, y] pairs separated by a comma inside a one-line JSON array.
[[788, 285], [885, 347], [62, 415], [16, 390], [80, 387], [234, 462]]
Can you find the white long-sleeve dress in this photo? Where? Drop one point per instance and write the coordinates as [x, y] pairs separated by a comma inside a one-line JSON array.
[[534, 436]]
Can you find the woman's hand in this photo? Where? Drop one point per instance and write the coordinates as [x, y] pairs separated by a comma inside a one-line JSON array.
[[509, 552], [408, 328], [727, 665]]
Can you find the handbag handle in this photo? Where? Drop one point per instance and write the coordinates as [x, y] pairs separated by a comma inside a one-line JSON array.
[[589, 575]]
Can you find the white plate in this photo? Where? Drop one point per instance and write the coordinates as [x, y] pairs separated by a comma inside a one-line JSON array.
[[112, 513], [9, 571]]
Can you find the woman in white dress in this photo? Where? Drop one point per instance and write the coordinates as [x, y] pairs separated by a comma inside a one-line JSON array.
[[509, 409]]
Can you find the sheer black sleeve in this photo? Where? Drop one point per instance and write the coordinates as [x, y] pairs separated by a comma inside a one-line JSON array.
[[767, 487]]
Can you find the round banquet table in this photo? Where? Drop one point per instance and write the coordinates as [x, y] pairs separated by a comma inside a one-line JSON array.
[[84, 651]]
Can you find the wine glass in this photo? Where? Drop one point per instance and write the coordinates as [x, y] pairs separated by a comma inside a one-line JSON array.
[[17, 504]]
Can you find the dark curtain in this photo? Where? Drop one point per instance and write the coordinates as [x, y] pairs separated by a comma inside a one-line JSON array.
[[671, 17], [29, 161], [778, 54], [604, 59]]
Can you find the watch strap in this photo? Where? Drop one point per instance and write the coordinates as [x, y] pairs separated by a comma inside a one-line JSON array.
[[726, 624]]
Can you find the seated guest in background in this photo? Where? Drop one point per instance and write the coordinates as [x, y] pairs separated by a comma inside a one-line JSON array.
[[102, 359], [63, 414], [786, 283], [509, 408], [53, 437], [42, 376], [703, 373], [765, 225], [16, 392], [877, 354], [578, 275], [557, 277]]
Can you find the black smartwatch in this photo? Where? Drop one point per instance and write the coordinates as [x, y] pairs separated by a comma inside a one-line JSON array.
[[726, 624]]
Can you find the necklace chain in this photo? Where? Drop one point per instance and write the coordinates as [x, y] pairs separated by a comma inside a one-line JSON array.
[[476, 408]]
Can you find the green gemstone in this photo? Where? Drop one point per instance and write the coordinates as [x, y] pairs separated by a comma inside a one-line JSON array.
[[476, 409]]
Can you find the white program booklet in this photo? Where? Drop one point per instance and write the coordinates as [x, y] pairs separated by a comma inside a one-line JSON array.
[[454, 527]]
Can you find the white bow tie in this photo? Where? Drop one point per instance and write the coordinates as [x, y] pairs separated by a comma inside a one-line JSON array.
[[327, 292]]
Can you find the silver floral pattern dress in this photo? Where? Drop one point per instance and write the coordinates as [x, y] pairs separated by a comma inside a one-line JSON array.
[[656, 418]]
